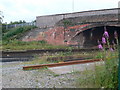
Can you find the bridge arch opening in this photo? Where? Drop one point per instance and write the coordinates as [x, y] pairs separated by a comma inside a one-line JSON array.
[[90, 37]]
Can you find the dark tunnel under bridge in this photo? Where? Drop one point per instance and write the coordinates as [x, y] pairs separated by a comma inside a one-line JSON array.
[[89, 37]]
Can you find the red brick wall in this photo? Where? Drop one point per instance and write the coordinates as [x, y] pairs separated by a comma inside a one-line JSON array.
[[55, 35]]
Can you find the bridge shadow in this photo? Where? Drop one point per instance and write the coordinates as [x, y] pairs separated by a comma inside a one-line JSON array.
[[91, 36]]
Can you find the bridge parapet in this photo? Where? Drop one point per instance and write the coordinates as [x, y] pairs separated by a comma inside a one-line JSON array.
[[79, 17]]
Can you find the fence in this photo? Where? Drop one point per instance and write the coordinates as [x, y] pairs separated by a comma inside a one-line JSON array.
[[18, 25]]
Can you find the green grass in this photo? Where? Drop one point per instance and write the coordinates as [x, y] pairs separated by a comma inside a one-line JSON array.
[[33, 45], [62, 56], [104, 76], [38, 59]]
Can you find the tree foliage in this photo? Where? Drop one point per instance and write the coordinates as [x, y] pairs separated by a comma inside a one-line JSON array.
[[1, 17], [17, 22]]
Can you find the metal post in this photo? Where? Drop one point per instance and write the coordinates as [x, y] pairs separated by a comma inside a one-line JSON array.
[[6, 26]]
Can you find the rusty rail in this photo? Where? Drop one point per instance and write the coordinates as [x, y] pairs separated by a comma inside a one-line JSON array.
[[60, 64]]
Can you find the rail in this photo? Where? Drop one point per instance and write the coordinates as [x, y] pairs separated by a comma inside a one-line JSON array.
[[60, 64]]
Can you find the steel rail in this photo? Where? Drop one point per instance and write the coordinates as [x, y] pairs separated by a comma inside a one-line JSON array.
[[61, 64]]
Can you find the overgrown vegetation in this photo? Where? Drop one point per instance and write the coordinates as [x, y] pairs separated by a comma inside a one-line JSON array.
[[104, 76], [66, 23], [15, 33], [5, 26], [33, 45], [68, 56], [57, 57]]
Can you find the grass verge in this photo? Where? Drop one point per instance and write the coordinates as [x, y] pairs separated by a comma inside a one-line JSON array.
[[105, 76]]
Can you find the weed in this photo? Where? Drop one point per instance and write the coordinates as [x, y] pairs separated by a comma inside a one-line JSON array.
[[56, 75], [45, 67], [105, 76], [36, 81]]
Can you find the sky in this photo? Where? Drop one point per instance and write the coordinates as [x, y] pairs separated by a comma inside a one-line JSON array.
[[15, 10]]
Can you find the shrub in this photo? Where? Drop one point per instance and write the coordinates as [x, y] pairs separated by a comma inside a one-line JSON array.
[[15, 33]]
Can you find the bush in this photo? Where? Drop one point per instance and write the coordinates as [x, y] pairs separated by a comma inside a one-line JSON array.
[[15, 33]]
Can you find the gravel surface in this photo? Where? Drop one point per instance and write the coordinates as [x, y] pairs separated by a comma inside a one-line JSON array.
[[14, 77]]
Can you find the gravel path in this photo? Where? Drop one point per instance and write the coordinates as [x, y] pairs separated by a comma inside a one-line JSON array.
[[14, 77]]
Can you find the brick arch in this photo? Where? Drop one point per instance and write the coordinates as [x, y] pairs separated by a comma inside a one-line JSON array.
[[83, 35]]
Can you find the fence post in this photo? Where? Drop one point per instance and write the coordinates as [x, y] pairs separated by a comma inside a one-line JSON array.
[[6, 26], [15, 25]]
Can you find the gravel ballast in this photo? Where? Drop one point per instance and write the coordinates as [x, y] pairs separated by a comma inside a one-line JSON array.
[[14, 77]]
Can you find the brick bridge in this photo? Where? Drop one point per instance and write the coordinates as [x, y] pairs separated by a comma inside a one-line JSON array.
[[82, 29]]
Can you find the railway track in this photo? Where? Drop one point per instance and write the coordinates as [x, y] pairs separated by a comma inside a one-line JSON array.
[[9, 56], [28, 52]]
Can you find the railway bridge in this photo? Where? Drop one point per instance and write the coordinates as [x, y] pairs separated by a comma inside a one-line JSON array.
[[82, 29]]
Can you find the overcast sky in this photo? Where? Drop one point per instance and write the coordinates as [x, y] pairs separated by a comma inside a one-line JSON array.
[[15, 10]]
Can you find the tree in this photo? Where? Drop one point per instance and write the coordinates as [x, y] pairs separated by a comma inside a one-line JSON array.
[[24, 21], [1, 17], [18, 22]]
